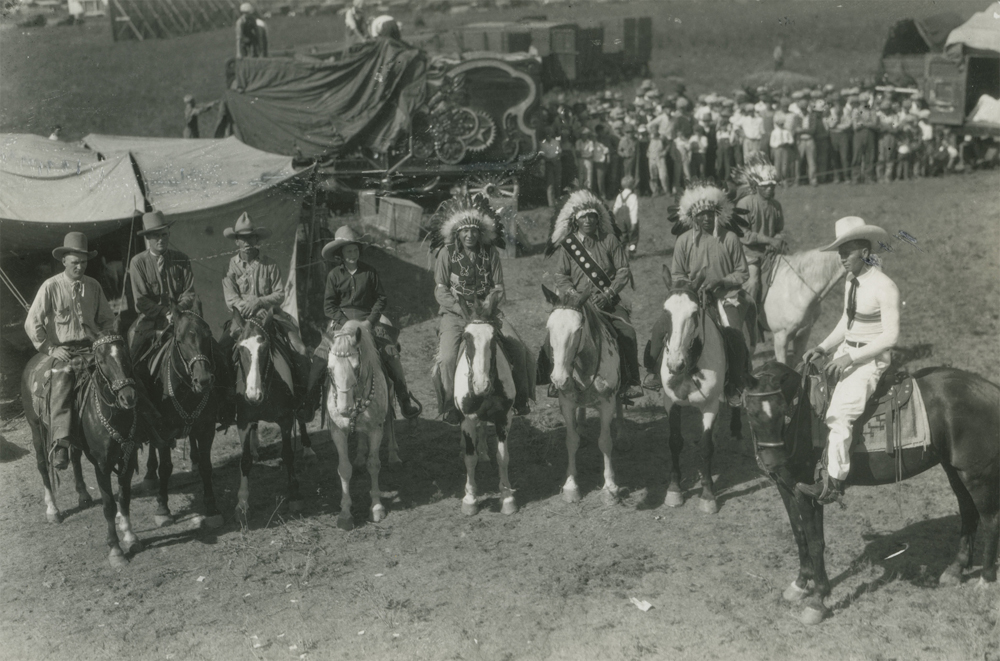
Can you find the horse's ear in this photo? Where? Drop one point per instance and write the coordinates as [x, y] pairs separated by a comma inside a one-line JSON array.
[[357, 335], [464, 306], [667, 279], [237, 320], [269, 315], [490, 309], [550, 296], [116, 328]]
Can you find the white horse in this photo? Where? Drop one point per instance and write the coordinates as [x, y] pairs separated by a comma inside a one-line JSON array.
[[800, 282], [358, 401], [484, 393], [587, 372]]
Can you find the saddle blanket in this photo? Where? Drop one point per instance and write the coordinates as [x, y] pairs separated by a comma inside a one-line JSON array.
[[910, 429]]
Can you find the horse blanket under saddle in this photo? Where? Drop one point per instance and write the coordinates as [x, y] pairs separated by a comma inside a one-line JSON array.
[[895, 417], [40, 384]]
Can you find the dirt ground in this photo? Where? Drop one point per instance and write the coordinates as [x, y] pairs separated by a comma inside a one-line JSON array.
[[553, 581]]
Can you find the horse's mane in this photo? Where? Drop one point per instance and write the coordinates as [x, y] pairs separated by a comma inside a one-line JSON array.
[[814, 265], [683, 290]]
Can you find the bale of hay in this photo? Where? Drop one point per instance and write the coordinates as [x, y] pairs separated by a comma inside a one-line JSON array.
[[777, 80]]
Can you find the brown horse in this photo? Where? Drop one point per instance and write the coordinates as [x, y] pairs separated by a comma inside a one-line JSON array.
[[108, 423], [963, 411]]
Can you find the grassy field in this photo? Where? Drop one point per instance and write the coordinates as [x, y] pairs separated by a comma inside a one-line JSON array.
[[79, 78]]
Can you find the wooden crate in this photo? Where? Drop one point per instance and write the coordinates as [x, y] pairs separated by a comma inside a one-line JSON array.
[[400, 219]]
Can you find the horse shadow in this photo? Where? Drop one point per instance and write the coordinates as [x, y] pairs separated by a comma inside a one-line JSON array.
[[917, 554]]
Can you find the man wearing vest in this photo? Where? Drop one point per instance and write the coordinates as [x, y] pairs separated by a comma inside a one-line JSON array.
[[628, 201], [867, 331]]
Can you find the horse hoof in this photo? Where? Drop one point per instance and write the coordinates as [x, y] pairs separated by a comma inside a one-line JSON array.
[[674, 499], [812, 616], [983, 584], [295, 506], [118, 560], [470, 509], [131, 548], [212, 521], [345, 522], [378, 513], [394, 458], [149, 485], [53, 517], [85, 501], [951, 578], [609, 497], [163, 520], [794, 593], [309, 456], [708, 506], [571, 495], [509, 506]]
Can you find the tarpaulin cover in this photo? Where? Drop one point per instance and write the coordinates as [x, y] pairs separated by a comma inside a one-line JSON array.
[[317, 108], [979, 33]]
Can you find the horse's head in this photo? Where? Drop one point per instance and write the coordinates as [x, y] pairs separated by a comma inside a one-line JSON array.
[[254, 347], [193, 341], [344, 364], [684, 336], [769, 403], [480, 349], [565, 326], [114, 366]]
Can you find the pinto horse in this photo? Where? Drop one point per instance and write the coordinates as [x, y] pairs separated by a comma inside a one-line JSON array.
[[265, 396], [183, 394], [357, 402], [484, 393], [108, 423], [963, 412], [587, 372]]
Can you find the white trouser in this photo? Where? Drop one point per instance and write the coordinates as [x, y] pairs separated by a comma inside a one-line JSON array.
[[847, 404]]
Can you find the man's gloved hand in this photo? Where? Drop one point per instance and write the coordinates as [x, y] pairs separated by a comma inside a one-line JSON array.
[[61, 353], [812, 355]]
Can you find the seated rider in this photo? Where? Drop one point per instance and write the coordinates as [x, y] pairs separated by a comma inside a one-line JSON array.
[[68, 312], [867, 331], [708, 257], [584, 222], [468, 269], [765, 217], [253, 287], [354, 293]]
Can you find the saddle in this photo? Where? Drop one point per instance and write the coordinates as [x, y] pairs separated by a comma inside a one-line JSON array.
[[40, 384]]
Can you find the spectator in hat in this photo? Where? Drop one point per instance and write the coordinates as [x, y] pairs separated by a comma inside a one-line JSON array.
[[725, 137], [628, 152], [251, 33], [660, 131], [752, 125], [551, 148], [585, 158], [838, 122], [864, 123], [626, 212], [191, 112], [888, 143], [356, 23], [805, 139], [680, 154]]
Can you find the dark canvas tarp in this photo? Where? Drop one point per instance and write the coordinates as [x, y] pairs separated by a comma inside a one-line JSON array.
[[979, 35], [314, 108], [915, 36]]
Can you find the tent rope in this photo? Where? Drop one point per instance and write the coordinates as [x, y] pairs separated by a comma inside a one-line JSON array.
[[13, 290]]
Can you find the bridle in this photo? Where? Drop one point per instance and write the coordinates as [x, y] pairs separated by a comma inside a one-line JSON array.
[[127, 442], [188, 419], [821, 294], [116, 385], [360, 404], [694, 356], [801, 401], [493, 358], [266, 371]]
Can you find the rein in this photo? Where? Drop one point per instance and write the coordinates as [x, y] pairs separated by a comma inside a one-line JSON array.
[[127, 443], [117, 384], [187, 419], [802, 395], [820, 294], [361, 404]]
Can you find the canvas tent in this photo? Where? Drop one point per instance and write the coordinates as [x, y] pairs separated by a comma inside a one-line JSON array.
[[915, 36], [980, 35]]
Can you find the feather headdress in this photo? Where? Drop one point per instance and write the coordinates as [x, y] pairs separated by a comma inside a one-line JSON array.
[[579, 203], [757, 172], [702, 196], [466, 211]]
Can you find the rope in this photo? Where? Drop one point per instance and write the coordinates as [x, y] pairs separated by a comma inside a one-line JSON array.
[[13, 290]]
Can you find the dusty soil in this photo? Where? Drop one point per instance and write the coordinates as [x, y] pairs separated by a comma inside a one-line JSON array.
[[554, 580]]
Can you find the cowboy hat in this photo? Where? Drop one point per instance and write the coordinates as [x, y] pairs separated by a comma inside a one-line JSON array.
[[244, 227], [153, 221], [344, 236], [853, 228], [76, 243]]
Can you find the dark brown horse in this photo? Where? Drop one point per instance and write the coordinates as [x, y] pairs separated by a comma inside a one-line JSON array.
[[963, 411], [108, 423], [182, 391], [264, 396]]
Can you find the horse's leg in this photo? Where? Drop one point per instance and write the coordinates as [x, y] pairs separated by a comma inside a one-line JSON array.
[[675, 497], [288, 458], [308, 454], [503, 424], [83, 498], [374, 465], [708, 504], [129, 544], [735, 423], [149, 480], [246, 432], [470, 441], [581, 420], [389, 432], [800, 343], [52, 513], [610, 490], [344, 521], [115, 555], [811, 513], [619, 439], [991, 541], [799, 589], [967, 536], [162, 516], [202, 440], [570, 490], [781, 346]]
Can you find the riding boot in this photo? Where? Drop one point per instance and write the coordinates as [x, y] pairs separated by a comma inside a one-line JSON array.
[[824, 490], [394, 368], [314, 387]]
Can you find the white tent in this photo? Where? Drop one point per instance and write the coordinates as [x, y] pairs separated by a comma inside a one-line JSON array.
[[981, 33]]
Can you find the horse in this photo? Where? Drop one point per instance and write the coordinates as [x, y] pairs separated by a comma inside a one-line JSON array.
[[963, 412], [264, 396], [693, 367], [799, 284], [108, 420], [182, 391], [484, 393], [357, 402], [586, 370]]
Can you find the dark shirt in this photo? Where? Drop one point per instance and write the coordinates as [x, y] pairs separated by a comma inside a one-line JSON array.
[[357, 296], [154, 291], [607, 253]]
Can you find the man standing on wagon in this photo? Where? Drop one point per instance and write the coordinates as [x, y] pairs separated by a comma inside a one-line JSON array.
[[867, 331]]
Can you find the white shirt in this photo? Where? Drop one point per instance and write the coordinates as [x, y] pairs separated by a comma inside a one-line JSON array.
[[876, 321], [629, 200]]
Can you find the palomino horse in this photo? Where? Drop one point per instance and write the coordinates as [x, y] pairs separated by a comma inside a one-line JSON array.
[[357, 402], [265, 396], [693, 373], [799, 283], [182, 392], [963, 412], [587, 372], [108, 421]]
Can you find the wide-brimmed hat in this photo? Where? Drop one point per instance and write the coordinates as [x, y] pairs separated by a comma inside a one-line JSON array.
[[154, 221], [76, 243], [853, 228], [344, 236], [244, 227]]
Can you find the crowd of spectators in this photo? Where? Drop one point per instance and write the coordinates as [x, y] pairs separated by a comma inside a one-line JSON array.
[[814, 136]]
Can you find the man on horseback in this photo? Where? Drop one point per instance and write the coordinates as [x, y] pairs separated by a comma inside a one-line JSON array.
[[709, 258], [468, 270], [867, 331], [593, 263], [69, 310], [766, 219], [354, 292], [253, 287]]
